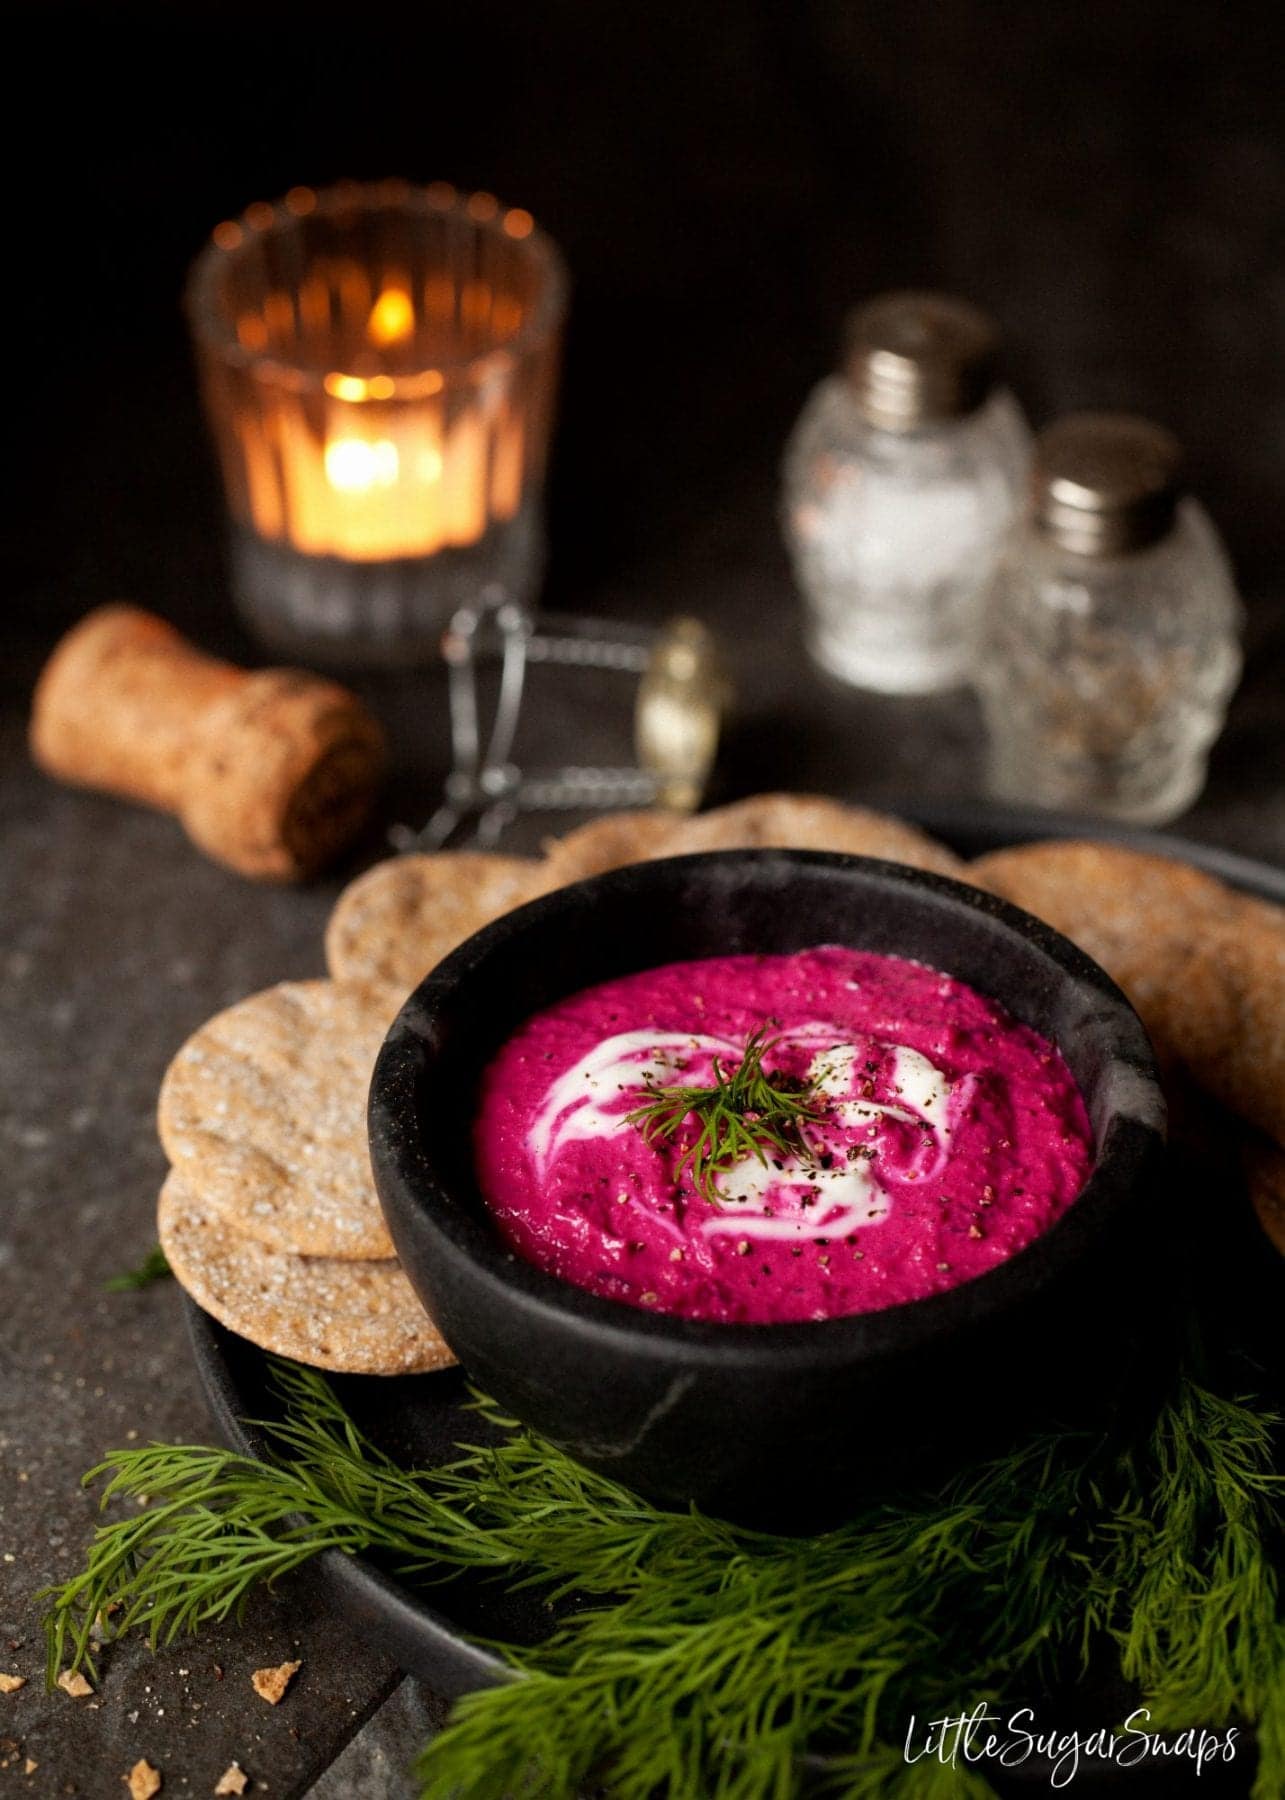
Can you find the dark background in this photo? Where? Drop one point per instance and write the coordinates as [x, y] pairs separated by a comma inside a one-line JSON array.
[[725, 177]]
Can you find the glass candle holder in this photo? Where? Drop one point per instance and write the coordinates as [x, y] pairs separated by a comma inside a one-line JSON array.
[[378, 364]]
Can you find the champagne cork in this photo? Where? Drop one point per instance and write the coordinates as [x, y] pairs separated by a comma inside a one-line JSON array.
[[272, 773]]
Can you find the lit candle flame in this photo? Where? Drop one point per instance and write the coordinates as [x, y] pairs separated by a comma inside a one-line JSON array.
[[354, 466], [392, 318]]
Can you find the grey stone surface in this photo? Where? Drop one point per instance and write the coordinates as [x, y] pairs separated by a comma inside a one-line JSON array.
[[375, 1764], [116, 941]]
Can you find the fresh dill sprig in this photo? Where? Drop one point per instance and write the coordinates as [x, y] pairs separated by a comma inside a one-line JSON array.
[[703, 1661], [745, 1112], [153, 1267]]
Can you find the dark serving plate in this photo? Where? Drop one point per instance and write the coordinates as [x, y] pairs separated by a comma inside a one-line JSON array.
[[420, 1419]]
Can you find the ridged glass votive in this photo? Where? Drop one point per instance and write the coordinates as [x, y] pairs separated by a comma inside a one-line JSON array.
[[378, 363]]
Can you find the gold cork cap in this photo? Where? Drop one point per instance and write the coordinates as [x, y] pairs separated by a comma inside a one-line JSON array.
[[1104, 483], [916, 359]]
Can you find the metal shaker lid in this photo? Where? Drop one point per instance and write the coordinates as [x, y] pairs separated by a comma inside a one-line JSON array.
[[915, 359], [1105, 483]]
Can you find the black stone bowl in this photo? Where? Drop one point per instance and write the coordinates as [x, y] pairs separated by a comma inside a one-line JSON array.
[[773, 1424]]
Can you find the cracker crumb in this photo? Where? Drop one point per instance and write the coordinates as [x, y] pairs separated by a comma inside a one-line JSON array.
[[143, 1780], [9, 1684], [271, 1684], [233, 1780], [75, 1685], [30, 1766]]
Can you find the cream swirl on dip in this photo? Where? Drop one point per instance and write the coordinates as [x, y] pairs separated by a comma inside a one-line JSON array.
[[940, 1137]]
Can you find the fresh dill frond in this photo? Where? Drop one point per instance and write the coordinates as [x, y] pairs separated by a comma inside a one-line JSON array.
[[746, 1112], [153, 1267], [697, 1660]]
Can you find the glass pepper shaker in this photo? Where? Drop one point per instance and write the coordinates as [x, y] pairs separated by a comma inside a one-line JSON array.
[[1111, 642], [900, 481]]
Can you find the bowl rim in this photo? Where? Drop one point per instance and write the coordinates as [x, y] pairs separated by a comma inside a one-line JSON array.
[[408, 1179]]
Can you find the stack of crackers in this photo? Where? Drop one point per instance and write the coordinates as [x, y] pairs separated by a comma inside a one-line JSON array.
[[1204, 966], [269, 1216]]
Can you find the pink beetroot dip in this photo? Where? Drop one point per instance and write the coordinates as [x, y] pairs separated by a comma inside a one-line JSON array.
[[951, 1136]]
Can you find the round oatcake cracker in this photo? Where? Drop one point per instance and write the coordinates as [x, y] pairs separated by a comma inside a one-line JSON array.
[[263, 1115], [357, 1318], [813, 822], [1155, 926], [398, 920], [610, 842], [1248, 1072]]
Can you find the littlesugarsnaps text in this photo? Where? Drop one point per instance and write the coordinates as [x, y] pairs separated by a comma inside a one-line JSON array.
[[985, 1735]]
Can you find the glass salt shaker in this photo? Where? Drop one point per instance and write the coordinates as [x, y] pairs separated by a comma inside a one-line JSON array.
[[900, 481], [1111, 642]]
